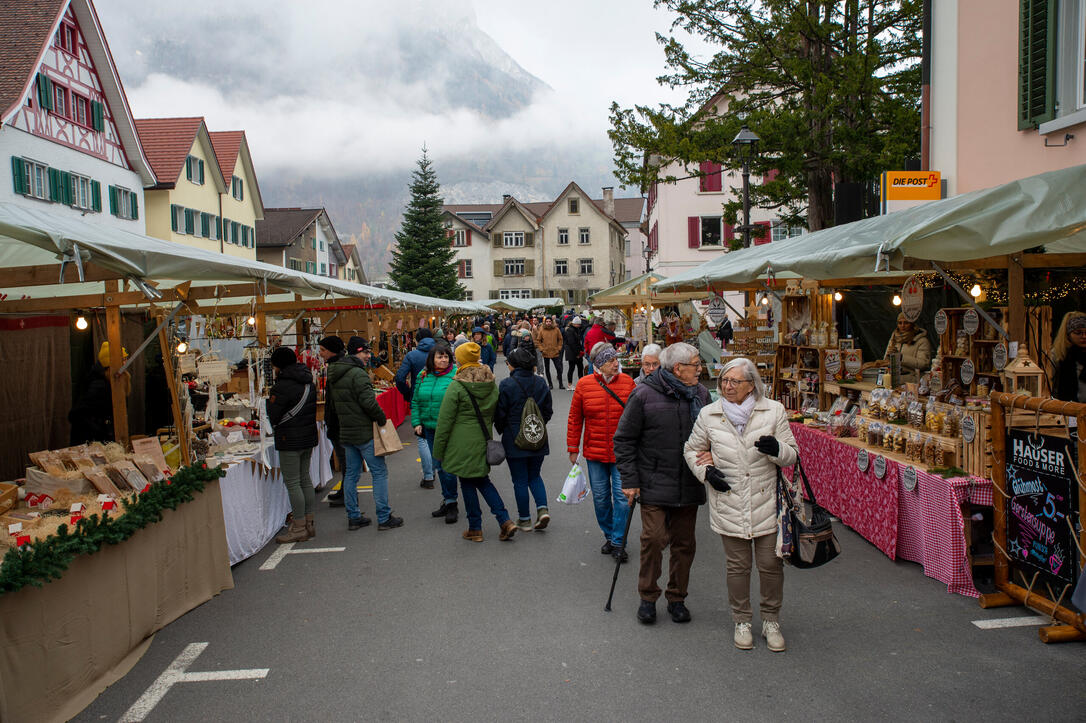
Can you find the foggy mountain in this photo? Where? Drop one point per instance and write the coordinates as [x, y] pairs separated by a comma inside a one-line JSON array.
[[337, 100]]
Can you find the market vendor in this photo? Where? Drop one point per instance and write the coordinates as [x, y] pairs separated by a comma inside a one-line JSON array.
[[1069, 355], [913, 344]]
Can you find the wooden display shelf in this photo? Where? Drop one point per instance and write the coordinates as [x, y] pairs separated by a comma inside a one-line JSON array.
[[898, 457]]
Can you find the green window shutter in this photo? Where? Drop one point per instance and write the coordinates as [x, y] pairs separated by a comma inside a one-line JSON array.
[[226, 229], [218, 226], [66, 187], [97, 116], [529, 267], [133, 202], [54, 184], [314, 242], [1036, 62], [188, 168], [529, 239], [190, 221], [45, 92], [201, 164], [18, 174], [113, 206], [205, 225], [173, 213], [96, 195], [499, 267]]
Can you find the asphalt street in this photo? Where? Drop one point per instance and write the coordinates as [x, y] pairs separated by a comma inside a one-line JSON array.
[[417, 623]]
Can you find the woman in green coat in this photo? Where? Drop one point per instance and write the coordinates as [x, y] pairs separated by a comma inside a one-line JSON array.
[[430, 387], [460, 440]]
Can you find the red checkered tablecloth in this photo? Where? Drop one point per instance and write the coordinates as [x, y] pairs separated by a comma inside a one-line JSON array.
[[922, 525]]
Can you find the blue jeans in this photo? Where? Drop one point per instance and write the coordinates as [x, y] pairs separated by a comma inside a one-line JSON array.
[[355, 454], [426, 458], [472, 487], [611, 506], [448, 481], [526, 478]]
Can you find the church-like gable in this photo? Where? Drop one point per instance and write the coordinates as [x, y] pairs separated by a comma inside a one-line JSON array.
[[67, 103]]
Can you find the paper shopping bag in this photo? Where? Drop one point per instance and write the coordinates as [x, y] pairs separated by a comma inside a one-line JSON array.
[[386, 440]]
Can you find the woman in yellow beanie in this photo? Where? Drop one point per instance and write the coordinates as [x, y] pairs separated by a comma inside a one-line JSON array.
[[464, 425]]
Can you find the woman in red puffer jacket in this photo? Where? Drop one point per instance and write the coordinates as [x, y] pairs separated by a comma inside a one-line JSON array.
[[598, 402]]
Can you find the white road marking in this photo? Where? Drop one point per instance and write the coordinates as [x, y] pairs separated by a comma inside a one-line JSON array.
[[288, 549], [175, 674], [998, 623]]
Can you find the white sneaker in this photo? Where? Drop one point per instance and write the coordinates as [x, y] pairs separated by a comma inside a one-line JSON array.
[[771, 631], [744, 640]]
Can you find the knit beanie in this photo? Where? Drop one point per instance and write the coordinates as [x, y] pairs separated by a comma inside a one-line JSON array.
[[356, 344], [333, 344], [423, 333], [283, 357], [522, 358], [467, 355]]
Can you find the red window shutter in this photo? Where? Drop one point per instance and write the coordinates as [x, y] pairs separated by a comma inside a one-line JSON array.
[[763, 237], [771, 175], [710, 180], [729, 232], [693, 232], [652, 196], [654, 237], [467, 237], [704, 168]]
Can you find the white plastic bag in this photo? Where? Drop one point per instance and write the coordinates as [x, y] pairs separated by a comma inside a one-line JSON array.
[[575, 488]]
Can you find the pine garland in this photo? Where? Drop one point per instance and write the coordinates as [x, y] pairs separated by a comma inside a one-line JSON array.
[[44, 560]]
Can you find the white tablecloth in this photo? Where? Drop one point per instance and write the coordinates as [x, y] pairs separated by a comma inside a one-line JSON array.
[[254, 499]]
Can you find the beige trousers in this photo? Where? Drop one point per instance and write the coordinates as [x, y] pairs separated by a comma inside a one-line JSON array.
[[737, 552]]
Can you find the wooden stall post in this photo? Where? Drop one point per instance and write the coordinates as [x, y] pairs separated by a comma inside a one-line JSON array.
[[175, 404], [1074, 627], [1016, 307], [116, 385]]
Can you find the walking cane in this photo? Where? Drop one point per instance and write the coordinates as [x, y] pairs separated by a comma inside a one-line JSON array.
[[618, 559]]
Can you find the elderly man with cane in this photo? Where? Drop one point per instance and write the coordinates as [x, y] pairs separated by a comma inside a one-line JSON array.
[[649, 452]]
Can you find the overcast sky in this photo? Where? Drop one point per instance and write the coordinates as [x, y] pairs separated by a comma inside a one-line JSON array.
[[589, 52]]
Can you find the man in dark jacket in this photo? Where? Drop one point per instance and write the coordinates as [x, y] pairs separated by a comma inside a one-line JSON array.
[[524, 464], [353, 410], [292, 412], [406, 376], [331, 349], [573, 346], [649, 453], [487, 355]]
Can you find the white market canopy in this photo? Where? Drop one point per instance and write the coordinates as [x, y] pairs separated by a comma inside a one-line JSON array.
[[1045, 210], [525, 304], [31, 237]]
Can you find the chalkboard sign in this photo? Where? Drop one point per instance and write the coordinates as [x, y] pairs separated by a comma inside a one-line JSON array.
[[1041, 485]]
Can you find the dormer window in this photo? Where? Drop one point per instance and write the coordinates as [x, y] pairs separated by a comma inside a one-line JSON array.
[[237, 188], [574, 206], [66, 38]]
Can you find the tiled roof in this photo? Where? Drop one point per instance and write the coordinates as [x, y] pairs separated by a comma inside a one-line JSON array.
[[25, 27], [281, 226], [167, 141], [227, 144], [627, 210]]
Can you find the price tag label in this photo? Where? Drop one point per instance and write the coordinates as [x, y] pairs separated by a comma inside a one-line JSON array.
[[971, 321], [15, 529], [969, 429], [968, 371], [912, 298], [908, 478], [862, 460], [880, 466], [999, 356], [717, 309], [941, 322]]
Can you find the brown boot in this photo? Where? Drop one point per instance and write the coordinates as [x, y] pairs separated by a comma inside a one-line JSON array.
[[295, 533], [310, 527], [473, 535], [509, 528]]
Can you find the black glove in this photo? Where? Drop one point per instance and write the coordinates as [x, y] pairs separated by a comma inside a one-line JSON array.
[[768, 445], [716, 479]]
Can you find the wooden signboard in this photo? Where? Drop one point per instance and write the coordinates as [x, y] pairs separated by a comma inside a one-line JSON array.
[[1036, 505]]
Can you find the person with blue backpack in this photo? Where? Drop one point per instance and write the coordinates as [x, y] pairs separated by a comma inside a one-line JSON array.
[[524, 408]]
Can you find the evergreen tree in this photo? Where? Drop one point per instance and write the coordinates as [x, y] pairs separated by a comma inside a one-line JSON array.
[[831, 86], [424, 261]]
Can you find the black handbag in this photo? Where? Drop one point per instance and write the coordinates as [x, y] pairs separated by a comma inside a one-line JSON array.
[[813, 541]]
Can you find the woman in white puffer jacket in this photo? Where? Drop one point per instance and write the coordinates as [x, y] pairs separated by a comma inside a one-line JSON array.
[[736, 446]]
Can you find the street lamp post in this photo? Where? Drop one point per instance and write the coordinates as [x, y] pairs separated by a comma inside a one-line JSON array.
[[746, 145]]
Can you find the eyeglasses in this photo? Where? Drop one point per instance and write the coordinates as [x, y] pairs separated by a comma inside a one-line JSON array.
[[696, 364], [729, 382]]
